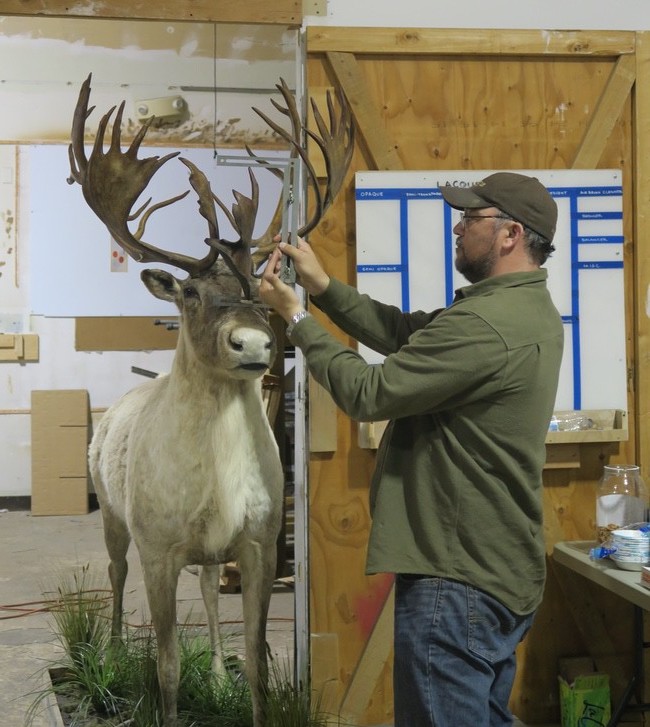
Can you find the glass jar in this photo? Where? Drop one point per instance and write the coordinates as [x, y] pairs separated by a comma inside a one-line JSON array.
[[622, 499]]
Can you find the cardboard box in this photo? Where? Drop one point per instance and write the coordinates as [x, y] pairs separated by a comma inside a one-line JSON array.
[[60, 434], [584, 693]]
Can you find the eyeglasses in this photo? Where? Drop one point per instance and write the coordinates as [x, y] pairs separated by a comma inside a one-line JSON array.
[[464, 217]]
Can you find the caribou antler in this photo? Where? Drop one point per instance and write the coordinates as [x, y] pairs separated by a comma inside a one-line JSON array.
[[113, 180], [336, 144]]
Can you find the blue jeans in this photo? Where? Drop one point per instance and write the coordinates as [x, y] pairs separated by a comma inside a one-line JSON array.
[[454, 654]]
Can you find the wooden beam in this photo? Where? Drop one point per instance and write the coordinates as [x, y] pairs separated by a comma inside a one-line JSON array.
[[369, 124], [279, 12], [606, 114], [371, 664], [322, 418], [469, 42], [641, 249]]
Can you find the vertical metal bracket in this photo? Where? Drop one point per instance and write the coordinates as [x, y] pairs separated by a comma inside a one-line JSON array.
[[290, 169]]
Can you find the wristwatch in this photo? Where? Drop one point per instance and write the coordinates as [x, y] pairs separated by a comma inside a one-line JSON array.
[[295, 319]]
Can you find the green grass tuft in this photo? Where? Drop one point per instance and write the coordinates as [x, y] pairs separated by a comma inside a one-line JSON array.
[[117, 684]]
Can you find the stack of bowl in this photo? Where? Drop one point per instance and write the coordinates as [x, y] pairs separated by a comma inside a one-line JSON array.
[[632, 549]]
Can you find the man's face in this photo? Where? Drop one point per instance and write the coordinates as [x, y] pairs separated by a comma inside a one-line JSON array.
[[476, 253]]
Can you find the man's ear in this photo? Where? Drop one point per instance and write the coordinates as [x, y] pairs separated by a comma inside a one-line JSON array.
[[515, 233], [516, 229]]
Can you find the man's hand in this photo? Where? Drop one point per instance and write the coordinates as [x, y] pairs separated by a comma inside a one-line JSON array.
[[275, 293], [309, 272], [282, 297]]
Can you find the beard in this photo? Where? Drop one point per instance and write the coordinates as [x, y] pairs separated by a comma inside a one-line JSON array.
[[477, 269]]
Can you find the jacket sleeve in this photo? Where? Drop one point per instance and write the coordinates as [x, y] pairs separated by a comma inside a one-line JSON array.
[[381, 327], [454, 360]]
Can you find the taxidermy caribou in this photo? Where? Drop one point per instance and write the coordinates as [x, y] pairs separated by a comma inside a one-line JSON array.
[[186, 465]]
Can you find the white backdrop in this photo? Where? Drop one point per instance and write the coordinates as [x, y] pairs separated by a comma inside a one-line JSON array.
[[68, 244]]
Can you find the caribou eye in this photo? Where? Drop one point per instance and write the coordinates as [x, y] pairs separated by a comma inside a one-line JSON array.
[[190, 292]]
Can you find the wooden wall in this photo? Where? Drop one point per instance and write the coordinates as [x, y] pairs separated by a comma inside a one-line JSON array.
[[429, 99]]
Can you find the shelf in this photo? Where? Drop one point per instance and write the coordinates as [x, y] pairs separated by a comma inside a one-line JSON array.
[[609, 425]]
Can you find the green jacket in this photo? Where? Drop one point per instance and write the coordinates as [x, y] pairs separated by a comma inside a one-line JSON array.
[[469, 390]]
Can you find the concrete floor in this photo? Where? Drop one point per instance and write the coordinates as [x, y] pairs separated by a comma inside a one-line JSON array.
[[37, 555]]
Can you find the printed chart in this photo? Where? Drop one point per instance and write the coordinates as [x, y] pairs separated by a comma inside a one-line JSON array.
[[405, 257]]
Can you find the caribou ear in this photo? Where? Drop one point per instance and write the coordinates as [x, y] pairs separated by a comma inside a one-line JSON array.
[[161, 284]]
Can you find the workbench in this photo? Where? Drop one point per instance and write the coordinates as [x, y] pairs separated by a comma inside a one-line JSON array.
[[626, 584]]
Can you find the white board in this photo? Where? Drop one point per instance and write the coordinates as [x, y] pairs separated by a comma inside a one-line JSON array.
[[70, 249], [405, 257]]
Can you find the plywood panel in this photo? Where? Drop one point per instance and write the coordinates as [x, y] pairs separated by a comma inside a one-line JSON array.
[[517, 108], [519, 111]]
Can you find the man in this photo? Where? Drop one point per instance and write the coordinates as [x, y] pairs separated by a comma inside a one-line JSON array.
[[456, 497]]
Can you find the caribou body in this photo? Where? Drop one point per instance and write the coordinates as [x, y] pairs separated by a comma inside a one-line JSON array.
[[186, 465]]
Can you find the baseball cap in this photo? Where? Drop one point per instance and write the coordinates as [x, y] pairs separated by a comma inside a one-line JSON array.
[[523, 198]]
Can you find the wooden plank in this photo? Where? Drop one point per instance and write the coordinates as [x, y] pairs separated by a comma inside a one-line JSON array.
[[281, 12], [371, 664], [606, 114], [325, 671], [469, 42], [641, 248], [322, 419], [368, 121]]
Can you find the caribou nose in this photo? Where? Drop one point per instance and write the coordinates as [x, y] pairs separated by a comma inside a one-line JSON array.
[[251, 345]]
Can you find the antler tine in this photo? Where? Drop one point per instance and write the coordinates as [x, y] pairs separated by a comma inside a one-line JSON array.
[[112, 181], [76, 150]]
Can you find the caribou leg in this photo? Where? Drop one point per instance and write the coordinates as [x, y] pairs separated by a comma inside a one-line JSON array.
[[257, 564], [210, 577], [117, 539], [161, 581]]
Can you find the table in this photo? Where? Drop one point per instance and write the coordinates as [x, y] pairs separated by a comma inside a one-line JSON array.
[[604, 572]]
